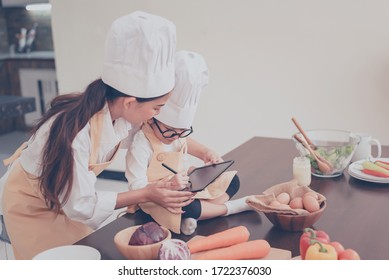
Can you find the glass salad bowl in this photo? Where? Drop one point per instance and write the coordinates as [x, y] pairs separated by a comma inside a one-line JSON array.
[[333, 148]]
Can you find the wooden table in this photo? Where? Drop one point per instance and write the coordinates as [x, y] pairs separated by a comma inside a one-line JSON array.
[[356, 213]]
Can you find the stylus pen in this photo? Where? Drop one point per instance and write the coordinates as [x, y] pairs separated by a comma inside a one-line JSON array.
[[175, 172], [169, 168]]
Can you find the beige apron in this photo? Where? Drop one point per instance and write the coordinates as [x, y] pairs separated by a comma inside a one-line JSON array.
[[31, 226], [156, 172]]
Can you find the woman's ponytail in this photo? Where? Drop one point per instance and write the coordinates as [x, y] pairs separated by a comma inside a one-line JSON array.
[[73, 112]]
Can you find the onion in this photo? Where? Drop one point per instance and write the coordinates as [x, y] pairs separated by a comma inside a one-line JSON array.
[[148, 233], [174, 249]]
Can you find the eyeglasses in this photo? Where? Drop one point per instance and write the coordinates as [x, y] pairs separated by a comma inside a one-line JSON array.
[[170, 133]]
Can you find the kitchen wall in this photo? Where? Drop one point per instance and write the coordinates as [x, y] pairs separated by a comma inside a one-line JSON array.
[[324, 62]]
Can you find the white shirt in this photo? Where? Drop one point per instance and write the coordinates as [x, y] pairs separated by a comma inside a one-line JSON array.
[[138, 159], [85, 204]]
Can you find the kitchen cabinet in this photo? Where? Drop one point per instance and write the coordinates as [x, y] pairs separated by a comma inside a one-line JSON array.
[[10, 83], [21, 3], [14, 106]]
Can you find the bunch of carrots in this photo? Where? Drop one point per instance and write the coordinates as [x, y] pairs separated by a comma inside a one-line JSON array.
[[230, 244]]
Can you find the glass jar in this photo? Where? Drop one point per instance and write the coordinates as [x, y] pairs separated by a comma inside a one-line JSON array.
[[302, 171]]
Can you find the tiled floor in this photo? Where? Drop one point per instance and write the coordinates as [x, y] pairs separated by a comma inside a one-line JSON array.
[[8, 144]]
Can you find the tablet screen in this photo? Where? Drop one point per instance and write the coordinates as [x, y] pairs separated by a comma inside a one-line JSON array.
[[201, 177]]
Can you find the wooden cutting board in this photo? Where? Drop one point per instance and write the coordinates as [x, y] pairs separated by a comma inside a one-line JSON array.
[[274, 254]]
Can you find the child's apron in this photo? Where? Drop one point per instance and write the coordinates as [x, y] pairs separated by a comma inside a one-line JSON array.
[[31, 226], [157, 172]]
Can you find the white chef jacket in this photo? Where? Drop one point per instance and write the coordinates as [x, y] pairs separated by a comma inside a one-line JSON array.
[[139, 156], [85, 203]]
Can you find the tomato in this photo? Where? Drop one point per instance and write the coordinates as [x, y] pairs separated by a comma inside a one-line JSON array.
[[338, 247], [348, 254]]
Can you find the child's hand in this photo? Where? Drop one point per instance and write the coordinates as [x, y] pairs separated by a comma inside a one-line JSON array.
[[190, 169], [211, 157], [180, 180]]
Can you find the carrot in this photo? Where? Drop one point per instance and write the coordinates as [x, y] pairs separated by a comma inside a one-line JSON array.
[[220, 239], [375, 173], [383, 164], [253, 249]]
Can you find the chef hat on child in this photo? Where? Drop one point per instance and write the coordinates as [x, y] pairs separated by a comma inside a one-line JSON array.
[[139, 55], [191, 77]]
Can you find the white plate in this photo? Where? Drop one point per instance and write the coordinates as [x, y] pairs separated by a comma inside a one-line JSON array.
[[355, 170], [69, 252]]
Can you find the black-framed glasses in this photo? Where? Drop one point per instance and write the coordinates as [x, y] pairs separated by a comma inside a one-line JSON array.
[[170, 133]]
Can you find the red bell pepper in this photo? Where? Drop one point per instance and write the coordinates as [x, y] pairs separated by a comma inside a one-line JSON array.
[[338, 246], [348, 254], [309, 236], [375, 173]]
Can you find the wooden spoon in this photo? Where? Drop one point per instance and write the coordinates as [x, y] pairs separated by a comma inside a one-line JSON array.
[[323, 166], [310, 143]]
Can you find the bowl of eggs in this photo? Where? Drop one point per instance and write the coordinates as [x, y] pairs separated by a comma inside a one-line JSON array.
[[289, 206], [298, 222]]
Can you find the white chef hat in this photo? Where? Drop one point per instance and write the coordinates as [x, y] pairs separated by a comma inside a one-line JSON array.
[[139, 55], [192, 76]]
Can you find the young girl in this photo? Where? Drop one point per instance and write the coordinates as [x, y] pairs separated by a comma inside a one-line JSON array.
[[163, 139], [49, 196]]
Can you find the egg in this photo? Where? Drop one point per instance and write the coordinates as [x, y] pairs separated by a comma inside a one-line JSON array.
[[296, 203], [313, 194], [310, 203], [283, 198]]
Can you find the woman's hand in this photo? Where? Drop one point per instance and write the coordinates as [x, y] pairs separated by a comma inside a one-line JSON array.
[[179, 180], [169, 194]]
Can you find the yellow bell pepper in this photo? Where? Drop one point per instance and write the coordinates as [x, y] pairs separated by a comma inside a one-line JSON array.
[[319, 251]]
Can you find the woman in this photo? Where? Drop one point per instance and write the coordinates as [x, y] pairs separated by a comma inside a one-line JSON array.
[[49, 197]]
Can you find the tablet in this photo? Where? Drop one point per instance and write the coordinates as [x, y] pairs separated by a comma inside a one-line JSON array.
[[201, 177]]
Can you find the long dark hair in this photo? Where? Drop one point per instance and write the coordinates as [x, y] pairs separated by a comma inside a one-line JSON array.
[[72, 112]]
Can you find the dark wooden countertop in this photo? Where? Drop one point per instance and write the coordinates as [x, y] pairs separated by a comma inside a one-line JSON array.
[[356, 213]]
